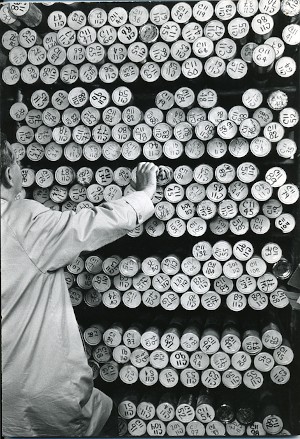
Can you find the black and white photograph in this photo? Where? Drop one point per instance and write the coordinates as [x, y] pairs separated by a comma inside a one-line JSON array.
[[150, 218]]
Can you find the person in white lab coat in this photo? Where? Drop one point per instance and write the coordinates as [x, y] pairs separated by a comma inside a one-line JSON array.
[[47, 384]]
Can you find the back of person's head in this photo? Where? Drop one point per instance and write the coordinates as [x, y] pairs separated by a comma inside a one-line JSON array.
[[7, 158]]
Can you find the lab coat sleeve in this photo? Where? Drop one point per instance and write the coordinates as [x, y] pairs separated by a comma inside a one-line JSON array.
[[54, 239]]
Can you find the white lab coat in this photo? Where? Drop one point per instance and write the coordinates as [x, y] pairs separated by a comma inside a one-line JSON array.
[[47, 383]]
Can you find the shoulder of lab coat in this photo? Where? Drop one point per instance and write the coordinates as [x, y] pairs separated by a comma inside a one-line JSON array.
[[53, 239]]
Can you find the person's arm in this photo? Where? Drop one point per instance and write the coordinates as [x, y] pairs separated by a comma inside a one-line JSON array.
[[53, 239]]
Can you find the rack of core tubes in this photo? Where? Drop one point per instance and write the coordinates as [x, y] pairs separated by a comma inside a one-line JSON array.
[[190, 322]]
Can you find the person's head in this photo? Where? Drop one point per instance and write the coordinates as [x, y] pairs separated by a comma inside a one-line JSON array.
[[11, 176]]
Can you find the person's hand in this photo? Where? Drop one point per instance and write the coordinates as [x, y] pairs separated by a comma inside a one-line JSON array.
[[146, 178]]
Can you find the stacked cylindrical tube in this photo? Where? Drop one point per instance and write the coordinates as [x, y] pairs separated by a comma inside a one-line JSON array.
[[188, 199], [163, 42], [180, 123], [79, 124], [190, 352], [226, 274], [198, 414], [193, 208]]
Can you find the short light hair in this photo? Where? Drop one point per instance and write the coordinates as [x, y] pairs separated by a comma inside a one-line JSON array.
[[7, 158]]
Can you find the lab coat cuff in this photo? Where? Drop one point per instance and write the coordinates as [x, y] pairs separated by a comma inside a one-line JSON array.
[[142, 205]]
